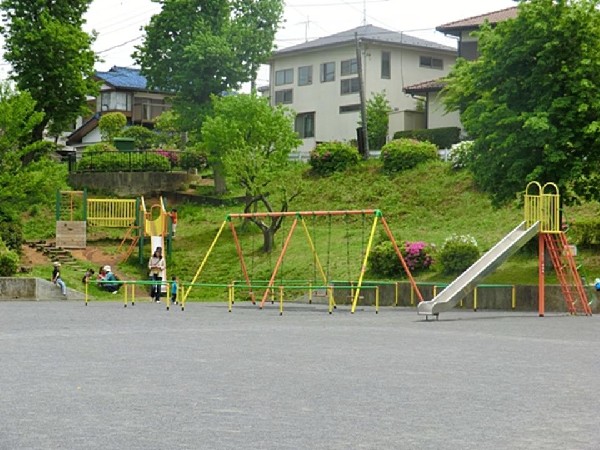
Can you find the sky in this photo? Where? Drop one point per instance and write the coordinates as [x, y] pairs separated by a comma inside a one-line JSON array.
[[119, 22]]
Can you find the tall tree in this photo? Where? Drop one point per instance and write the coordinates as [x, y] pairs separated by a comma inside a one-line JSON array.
[[254, 141], [196, 48], [531, 101], [378, 110], [51, 57]]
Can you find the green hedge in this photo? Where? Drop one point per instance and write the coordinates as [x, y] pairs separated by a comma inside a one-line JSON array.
[[404, 154], [123, 162], [441, 137]]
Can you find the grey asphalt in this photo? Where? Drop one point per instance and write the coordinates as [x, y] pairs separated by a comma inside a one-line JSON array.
[[108, 377]]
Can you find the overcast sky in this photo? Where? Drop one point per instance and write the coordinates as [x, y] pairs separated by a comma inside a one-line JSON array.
[[119, 22]]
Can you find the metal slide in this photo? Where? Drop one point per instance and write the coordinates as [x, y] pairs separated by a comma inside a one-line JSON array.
[[467, 281]]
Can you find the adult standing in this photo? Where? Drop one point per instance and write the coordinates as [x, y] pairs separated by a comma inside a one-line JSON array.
[[156, 266], [56, 279]]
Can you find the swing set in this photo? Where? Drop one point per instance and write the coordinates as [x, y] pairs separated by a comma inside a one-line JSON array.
[[320, 270]]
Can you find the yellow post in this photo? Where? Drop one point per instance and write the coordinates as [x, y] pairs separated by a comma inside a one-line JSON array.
[[376, 299], [412, 296], [514, 297], [475, 299], [168, 296], [281, 300], [125, 297], [396, 288], [330, 299], [233, 292], [133, 294], [214, 242], [310, 293], [434, 290], [86, 294], [229, 297], [363, 268]]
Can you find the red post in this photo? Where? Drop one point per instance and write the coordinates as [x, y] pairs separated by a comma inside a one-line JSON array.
[[541, 282], [242, 262]]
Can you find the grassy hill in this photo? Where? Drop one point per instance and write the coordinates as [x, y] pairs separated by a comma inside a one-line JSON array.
[[429, 203]]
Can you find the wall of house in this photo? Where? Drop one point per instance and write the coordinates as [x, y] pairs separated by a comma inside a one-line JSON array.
[[437, 116], [325, 98]]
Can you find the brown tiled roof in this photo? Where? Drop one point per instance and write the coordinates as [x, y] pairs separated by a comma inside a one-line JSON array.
[[425, 86], [477, 21]]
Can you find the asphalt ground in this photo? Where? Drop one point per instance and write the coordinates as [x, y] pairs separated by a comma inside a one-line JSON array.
[[108, 377]]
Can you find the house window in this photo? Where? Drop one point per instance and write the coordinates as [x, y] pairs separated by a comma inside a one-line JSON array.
[[468, 50], [284, 96], [349, 108], [285, 76], [327, 72], [349, 67], [432, 63], [304, 75], [350, 86], [386, 67], [305, 125], [114, 101]]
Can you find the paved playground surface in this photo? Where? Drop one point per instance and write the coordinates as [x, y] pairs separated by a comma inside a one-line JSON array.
[[108, 377]]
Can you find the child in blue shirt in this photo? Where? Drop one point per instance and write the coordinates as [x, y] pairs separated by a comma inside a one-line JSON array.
[[174, 290]]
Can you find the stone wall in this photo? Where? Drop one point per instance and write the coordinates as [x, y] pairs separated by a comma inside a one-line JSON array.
[[131, 184]]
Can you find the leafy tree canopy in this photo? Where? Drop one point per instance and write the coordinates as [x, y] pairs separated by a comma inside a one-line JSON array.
[[378, 109], [253, 141], [51, 56], [531, 101], [196, 48]]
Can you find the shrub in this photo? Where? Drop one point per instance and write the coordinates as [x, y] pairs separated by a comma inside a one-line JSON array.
[[405, 154], [330, 157], [461, 154], [11, 232], [124, 161], [458, 253], [9, 261], [384, 260], [100, 147], [111, 124], [193, 158], [443, 137], [586, 232], [171, 155], [143, 137]]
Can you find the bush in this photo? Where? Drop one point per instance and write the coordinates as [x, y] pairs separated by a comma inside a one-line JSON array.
[[100, 147], [405, 154], [11, 232], [143, 137], [586, 233], [111, 124], [443, 137], [384, 260], [9, 261], [171, 155], [330, 157], [124, 161], [458, 253], [461, 154], [193, 158]]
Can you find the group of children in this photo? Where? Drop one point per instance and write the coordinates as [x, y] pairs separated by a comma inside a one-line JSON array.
[[106, 279]]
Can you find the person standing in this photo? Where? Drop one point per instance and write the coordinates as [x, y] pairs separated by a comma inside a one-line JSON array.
[[173, 215], [156, 266], [56, 279]]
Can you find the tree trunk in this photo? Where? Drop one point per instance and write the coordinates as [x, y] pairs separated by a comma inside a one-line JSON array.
[[268, 240], [220, 183]]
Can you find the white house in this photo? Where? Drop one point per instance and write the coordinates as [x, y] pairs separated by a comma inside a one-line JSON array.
[[430, 91], [319, 80]]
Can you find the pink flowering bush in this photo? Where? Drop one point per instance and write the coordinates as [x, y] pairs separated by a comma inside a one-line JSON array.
[[384, 261], [330, 157], [172, 156]]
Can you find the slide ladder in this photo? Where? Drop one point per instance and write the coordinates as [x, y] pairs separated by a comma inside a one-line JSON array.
[[466, 282], [566, 270], [132, 234]]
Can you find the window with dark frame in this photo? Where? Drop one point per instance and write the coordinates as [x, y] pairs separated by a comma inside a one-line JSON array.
[[349, 108], [327, 72], [431, 62], [284, 96], [386, 65], [285, 76], [349, 86], [349, 67], [304, 75], [305, 125]]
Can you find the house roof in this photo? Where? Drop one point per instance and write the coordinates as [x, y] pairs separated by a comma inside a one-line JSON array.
[[472, 23], [77, 136], [369, 33], [125, 78], [425, 86]]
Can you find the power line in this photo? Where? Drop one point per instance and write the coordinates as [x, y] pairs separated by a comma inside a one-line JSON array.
[[121, 44]]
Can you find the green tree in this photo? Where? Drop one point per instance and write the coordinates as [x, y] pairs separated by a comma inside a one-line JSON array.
[[51, 57], [531, 101], [197, 48], [253, 141], [378, 109], [111, 124]]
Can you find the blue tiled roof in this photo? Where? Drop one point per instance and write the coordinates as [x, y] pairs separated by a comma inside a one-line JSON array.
[[124, 78]]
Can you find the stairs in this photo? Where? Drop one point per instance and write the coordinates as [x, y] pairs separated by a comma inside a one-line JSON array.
[[566, 270], [135, 237]]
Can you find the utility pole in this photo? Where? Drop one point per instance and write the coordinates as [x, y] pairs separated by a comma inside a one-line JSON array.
[[362, 136]]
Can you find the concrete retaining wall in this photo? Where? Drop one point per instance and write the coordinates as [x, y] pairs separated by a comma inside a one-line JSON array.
[[34, 289], [131, 184]]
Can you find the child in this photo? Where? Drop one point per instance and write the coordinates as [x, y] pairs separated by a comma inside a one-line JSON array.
[[173, 215], [174, 290], [87, 276], [56, 279]]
